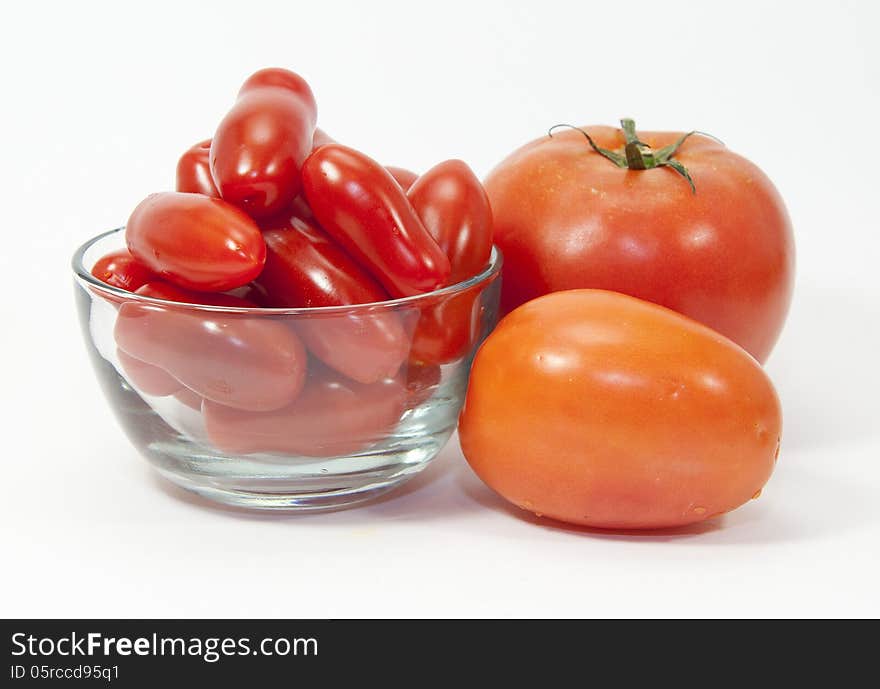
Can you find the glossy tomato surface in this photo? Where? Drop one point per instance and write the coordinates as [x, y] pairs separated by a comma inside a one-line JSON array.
[[194, 171], [566, 217], [236, 360], [305, 269], [604, 410], [121, 269], [259, 148], [366, 212], [195, 241], [454, 208], [277, 77], [333, 416], [401, 175]]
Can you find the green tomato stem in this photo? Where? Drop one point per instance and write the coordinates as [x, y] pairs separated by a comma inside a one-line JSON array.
[[637, 155]]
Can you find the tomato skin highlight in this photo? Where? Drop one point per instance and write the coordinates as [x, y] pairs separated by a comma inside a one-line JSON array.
[[195, 241], [194, 171], [567, 218], [333, 416], [236, 360], [290, 82], [599, 409], [305, 269], [259, 148], [121, 269], [362, 207]]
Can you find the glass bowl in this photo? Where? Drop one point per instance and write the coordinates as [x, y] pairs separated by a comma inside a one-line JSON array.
[[275, 408]]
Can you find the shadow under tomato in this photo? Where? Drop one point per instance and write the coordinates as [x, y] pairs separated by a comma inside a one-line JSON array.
[[794, 508], [798, 505]]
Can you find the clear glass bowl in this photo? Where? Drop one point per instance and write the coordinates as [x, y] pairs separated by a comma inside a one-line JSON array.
[[214, 399]]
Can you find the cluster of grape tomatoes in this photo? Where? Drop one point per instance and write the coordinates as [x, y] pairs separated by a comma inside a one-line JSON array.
[[271, 212]]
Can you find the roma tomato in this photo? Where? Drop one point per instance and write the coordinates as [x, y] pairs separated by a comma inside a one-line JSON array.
[[305, 269], [600, 409], [333, 416], [276, 77], [235, 360], [567, 217], [121, 269], [360, 206], [194, 171], [195, 241], [405, 178], [365, 347], [259, 148], [402, 176], [149, 379], [454, 208]]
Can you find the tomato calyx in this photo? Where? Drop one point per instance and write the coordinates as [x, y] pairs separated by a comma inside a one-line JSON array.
[[636, 154]]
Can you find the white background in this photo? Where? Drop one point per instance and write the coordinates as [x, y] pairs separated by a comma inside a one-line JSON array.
[[99, 100]]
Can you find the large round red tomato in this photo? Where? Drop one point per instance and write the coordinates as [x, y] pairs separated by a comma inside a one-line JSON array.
[[568, 217], [600, 409]]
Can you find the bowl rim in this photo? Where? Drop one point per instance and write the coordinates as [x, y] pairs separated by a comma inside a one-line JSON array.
[[84, 276]]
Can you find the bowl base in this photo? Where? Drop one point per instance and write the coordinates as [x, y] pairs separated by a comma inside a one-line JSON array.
[[294, 501]]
